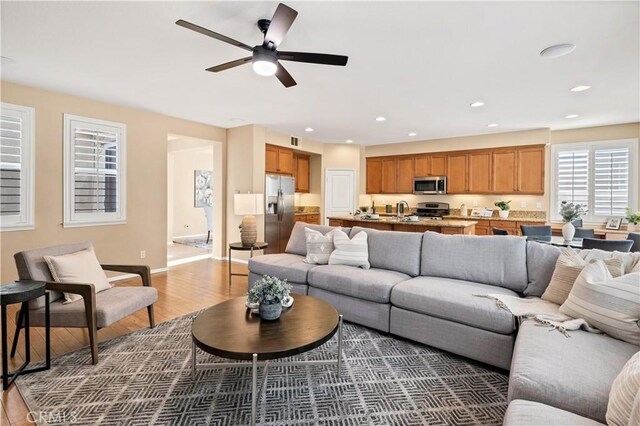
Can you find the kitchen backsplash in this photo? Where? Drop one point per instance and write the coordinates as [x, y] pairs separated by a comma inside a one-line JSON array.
[[307, 209], [513, 214]]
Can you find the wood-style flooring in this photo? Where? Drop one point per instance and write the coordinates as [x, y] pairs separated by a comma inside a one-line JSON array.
[[183, 289]]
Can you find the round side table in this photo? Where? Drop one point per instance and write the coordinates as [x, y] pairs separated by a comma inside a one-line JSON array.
[[260, 245], [23, 292]]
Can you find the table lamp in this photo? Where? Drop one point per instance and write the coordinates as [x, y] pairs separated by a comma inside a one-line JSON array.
[[248, 205]]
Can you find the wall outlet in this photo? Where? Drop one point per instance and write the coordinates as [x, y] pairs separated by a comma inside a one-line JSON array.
[[143, 254], [475, 204], [538, 205], [523, 204]]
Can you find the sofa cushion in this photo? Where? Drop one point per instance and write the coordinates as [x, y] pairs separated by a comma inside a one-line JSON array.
[[290, 267], [393, 250], [622, 398], [455, 300], [524, 413], [369, 284], [573, 374], [297, 243], [495, 261], [541, 262]]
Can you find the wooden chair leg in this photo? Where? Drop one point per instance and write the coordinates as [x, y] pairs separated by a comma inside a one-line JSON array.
[[16, 336], [92, 326], [152, 321]]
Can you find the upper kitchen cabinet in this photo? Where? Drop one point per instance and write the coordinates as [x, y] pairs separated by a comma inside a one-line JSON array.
[[531, 170], [405, 173], [429, 165], [504, 176], [278, 160], [389, 178], [374, 175], [301, 172], [457, 173], [479, 176], [438, 165]]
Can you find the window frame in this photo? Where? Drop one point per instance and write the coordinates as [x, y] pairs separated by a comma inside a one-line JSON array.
[[73, 219], [26, 220], [590, 218]]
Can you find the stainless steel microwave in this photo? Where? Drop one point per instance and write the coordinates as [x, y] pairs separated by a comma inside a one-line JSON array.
[[430, 185]]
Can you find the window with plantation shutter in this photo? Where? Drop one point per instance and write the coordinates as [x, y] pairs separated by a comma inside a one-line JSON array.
[[600, 175], [94, 172], [16, 167]]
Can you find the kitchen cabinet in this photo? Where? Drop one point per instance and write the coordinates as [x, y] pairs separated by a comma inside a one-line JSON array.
[[301, 172], [438, 165], [405, 173], [531, 170], [278, 160], [313, 218], [389, 178], [503, 170], [422, 165], [479, 175], [456, 173], [374, 175]]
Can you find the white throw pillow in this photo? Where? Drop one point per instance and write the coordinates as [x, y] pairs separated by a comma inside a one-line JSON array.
[[354, 252], [631, 261], [568, 267], [609, 304], [81, 267], [624, 392], [319, 247]]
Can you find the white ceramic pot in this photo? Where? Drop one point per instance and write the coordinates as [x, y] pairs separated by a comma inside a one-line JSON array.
[[503, 214], [568, 231]]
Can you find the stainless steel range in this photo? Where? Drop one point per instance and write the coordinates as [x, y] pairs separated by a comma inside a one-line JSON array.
[[434, 211]]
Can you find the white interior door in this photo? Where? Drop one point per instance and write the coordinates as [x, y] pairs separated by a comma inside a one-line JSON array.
[[339, 192]]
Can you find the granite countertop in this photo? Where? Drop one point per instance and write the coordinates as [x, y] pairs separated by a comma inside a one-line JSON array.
[[305, 213], [509, 219], [421, 222]]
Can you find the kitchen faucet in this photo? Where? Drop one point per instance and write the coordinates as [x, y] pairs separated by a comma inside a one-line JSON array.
[[400, 209]]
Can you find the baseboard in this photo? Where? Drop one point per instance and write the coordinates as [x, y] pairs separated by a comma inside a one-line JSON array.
[[188, 237], [129, 276], [189, 260]]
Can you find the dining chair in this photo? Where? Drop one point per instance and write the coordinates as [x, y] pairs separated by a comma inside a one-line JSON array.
[[584, 233], [635, 237], [607, 245], [534, 232], [499, 231], [577, 223]]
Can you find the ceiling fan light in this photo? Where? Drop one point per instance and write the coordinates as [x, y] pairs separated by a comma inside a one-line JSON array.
[[265, 67]]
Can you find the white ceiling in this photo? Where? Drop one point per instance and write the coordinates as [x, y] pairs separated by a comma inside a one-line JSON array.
[[420, 64]]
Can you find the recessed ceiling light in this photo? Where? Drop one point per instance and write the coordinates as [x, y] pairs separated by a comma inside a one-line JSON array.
[[493, 125], [558, 50], [580, 88], [308, 129], [381, 118], [348, 141], [412, 134], [477, 104], [571, 116]]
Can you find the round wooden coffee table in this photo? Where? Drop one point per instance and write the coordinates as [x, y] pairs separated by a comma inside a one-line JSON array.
[[230, 330]]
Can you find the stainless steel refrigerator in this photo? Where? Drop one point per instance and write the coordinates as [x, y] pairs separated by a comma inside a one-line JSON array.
[[279, 212]]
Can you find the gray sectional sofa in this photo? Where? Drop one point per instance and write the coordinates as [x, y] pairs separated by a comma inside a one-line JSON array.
[[424, 287]]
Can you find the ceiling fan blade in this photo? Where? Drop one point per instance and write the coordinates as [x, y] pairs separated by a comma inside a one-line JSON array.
[[284, 76], [314, 58], [213, 34], [231, 64], [280, 24]]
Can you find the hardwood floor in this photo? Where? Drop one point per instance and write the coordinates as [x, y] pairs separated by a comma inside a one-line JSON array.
[[183, 289]]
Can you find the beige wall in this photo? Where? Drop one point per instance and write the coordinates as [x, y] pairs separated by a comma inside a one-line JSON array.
[[146, 226]]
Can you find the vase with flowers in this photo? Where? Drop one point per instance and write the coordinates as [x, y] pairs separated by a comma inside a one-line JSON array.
[[570, 212], [270, 293], [633, 219]]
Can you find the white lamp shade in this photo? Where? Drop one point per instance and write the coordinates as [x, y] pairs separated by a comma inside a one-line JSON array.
[[248, 204]]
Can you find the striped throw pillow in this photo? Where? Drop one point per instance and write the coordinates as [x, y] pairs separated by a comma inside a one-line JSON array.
[[319, 247], [624, 401], [568, 267], [354, 252], [609, 304]]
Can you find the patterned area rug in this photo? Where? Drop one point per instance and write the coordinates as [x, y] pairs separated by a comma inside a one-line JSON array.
[[145, 378], [198, 242]]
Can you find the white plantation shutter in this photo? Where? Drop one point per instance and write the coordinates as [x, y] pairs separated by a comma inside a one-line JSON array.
[[95, 171], [16, 167], [601, 175]]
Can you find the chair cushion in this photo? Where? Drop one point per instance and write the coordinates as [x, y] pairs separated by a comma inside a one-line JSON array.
[[297, 243], [573, 374], [455, 300], [541, 262], [350, 252], [290, 267], [499, 261], [393, 250], [522, 413], [32, 266], [111, 305], [373, 284]]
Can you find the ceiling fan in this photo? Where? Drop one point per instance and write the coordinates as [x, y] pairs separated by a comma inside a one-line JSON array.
[[265, 57]]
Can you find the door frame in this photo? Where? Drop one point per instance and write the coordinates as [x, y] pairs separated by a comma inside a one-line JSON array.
[[354, 201]]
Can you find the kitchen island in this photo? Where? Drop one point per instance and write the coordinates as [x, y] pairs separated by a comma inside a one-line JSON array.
[[393, 224]]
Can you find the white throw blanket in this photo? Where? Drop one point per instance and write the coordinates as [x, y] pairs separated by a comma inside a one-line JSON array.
[[542, 312]]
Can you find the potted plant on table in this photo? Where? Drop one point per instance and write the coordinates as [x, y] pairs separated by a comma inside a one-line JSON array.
[[570, 212], [504, 208], [269, 292], [633, 219]]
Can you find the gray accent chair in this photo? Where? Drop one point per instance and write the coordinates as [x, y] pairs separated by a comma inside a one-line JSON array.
[[635, 237], [97, 310], [607, 245]]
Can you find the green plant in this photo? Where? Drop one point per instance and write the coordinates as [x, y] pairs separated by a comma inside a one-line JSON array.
[[571, 211], [632, 217], [268, 290], [503, 205]]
